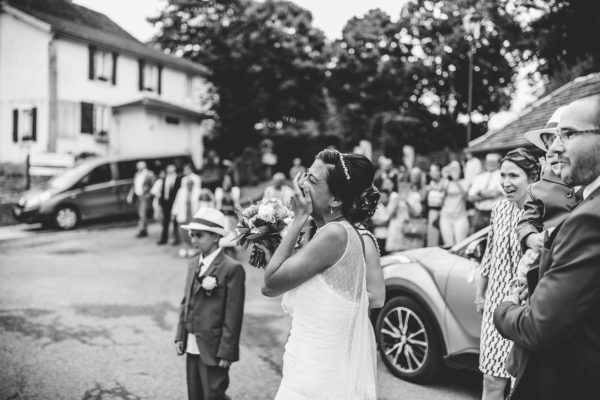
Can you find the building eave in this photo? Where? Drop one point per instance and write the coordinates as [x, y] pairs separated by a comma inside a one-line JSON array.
[[24, 17], [164, 107]]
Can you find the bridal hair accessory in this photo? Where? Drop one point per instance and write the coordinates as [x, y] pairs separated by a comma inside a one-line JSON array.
[[344, 166]]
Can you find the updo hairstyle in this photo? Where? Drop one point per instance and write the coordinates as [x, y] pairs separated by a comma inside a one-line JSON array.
[[353, 185], [525, 160]]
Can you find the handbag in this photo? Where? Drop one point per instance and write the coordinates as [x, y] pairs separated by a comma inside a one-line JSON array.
[[415, 227]]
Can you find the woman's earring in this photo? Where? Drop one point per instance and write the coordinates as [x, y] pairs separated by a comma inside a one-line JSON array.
[[330, 209]]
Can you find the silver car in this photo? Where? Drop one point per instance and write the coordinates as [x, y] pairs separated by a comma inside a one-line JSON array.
[[429, 318]]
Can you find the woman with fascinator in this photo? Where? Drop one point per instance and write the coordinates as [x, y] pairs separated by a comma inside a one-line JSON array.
[[518, 169], [330, 283]]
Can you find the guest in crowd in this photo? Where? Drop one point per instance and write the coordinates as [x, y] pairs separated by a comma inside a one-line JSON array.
[[297, 168], [485, 192], [454, 224], [472, 168], [207, 198], [187, 202], [188, 173], [155, 192], [143, 181], [434, 200], [279, 189], [170, 186], [380, 220], [560, 325], [227, 200], [403, 207], [518, 169]]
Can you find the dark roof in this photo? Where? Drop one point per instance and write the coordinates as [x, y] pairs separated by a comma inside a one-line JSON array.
[[78, 22], [535, 116], [165, 107]]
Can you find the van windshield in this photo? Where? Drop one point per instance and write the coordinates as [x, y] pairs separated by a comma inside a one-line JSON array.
[[69, 177]]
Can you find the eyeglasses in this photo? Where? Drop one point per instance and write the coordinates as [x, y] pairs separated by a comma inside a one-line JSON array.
[[563, 134], [566, 134]]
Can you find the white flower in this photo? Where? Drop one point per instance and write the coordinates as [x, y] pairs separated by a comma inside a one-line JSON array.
[[250, 211], [209, 283], [266, 212], [282, 213]]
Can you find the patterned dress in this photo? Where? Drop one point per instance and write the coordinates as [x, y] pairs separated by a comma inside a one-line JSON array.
[[499, 265]]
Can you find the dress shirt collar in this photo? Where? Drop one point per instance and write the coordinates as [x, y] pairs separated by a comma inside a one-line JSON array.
[[209, 259], [591, 187]]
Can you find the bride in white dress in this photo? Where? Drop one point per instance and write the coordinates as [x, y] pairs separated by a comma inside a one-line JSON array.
[[330, 283]]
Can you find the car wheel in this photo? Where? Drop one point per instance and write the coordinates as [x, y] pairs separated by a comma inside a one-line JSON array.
[[408, 342], [66, 217]]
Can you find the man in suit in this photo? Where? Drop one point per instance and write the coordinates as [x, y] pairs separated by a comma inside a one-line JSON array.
[[140, 191], [210, 319], [561, 324], [171, 184]]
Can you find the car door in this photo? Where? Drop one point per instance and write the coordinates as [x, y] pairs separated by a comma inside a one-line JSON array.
[[461, 285], [97, 196], [125, 172]]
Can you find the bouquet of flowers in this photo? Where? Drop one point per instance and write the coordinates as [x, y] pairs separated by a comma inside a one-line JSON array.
[[263, 223]]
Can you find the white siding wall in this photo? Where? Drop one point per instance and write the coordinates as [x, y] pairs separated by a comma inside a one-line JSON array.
[[142, 132], [23, 82]]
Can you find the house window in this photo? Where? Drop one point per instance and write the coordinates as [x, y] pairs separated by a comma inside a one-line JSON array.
[[102, 65], [95, 119], [24, 124], [150, 77]]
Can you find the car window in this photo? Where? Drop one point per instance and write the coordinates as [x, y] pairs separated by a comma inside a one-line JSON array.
[[100, 174], [126, 169]]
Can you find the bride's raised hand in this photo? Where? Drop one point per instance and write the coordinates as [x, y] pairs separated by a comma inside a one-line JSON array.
[[301, 200]]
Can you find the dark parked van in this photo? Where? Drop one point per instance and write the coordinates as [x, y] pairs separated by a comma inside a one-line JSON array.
[[96, 188]]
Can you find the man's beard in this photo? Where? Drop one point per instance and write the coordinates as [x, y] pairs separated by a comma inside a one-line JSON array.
[[583, 170]]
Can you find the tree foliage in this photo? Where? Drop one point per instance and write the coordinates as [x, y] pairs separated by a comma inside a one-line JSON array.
[[560, 37], [265, 57]]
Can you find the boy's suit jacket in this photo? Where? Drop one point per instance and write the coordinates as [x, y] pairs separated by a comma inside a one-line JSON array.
[[215, 319], [561, 325]]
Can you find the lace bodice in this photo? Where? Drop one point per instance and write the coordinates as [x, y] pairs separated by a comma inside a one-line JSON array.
[[345, 276]]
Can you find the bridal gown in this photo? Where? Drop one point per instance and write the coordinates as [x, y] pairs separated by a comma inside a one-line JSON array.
[[330, 354]]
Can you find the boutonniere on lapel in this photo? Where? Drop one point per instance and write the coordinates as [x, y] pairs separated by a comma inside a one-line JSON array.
[[209, 283]]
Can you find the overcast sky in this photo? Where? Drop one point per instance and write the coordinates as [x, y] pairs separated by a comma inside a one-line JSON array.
[[328, 15]]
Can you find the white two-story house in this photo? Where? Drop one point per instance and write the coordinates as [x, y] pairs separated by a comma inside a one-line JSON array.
[[73, 81]]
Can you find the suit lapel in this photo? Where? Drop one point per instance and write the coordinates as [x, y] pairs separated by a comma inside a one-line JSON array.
[[215, 264]]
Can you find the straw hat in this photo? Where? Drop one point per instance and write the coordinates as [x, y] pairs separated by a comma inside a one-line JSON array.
[[209, 220], [550, 127]]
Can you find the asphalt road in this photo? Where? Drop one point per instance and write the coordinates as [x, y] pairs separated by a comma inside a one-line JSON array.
[[90, 314]]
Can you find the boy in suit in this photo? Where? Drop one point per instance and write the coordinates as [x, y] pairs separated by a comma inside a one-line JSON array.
[[210, 319]]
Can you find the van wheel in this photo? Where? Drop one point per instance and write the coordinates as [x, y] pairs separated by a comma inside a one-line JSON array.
[[66, 217]]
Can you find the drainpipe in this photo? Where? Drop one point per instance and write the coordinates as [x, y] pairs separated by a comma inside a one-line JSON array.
[[52, 96]]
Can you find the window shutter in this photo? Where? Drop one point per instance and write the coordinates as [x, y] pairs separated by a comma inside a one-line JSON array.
[[159, 84], [87, 117], [15, 125], [141, 75], [114, 68], [91, 74], [34, 124]]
